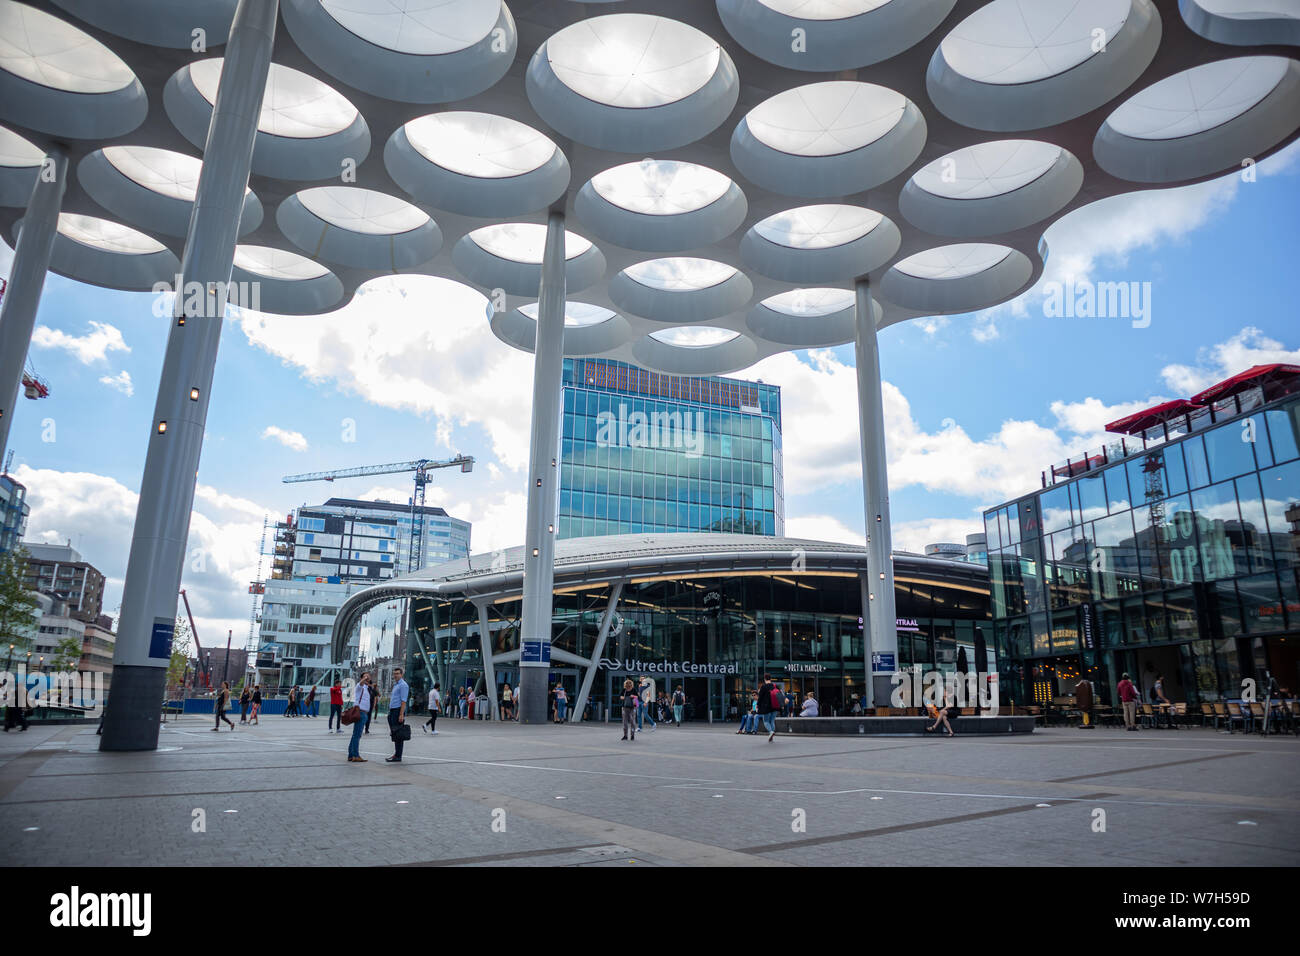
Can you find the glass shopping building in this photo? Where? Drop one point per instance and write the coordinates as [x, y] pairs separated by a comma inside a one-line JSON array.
[[1174, 553], [647, 452]]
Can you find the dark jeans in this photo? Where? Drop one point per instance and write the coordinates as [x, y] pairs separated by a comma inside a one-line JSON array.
[[432, 722], [221, 715], [393, 724], [336, 712], [243, 711]]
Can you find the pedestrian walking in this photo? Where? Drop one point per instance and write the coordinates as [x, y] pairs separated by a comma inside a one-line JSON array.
[[769, 704], [397, 727], [311, 700], [256, 711], [463, 704], [435, 704], [561, 703], [507, 702], [221, 703], [647, 701], [631, 704], [1128, 699], [361, 701], [245, 699], [291, 709], [517, 703], [336, 708], [679, 701]]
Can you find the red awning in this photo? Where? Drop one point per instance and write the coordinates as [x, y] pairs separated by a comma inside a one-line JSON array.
[[1261, 375], [1139, 422]]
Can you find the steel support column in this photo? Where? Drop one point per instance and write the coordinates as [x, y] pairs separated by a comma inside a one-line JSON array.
[[26, 281], [594, 664], [878, 613], [489, 672], [162, 520], [543, 479]]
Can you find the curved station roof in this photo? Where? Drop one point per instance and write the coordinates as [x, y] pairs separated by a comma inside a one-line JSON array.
[[589, 562], [726, 168]]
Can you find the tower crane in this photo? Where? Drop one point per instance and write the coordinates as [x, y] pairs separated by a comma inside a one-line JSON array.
[[421, 467]]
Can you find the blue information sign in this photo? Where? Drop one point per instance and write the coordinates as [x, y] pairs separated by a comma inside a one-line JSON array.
[[535, 653], [160, 639], [883, 663]]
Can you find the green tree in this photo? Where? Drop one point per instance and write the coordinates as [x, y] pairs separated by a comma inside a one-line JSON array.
[[19, 620], [180, 658], [67, 656]]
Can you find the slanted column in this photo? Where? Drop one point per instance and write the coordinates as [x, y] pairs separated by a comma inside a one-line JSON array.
[[543, 479], [878, 614], [589, 676], [489, 671], [162, 519], [26, 280]]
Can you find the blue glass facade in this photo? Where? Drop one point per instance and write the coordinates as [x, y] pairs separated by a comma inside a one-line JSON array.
[[646, 452], [1181, 559]]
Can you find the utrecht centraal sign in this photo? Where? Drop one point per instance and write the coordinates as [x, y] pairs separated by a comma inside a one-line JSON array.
[[664, 667]]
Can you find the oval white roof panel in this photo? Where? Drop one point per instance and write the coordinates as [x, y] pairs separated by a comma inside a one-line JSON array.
[[1198, 99], [824, 119], [987, 169], [811, 302], [362, 210], [479, 144], [295, 105], [108, 236], [277, 263], [660, 187], [524, 242], [419, 27], [680, 273], [818, 227], [53, 53], [957, 261]]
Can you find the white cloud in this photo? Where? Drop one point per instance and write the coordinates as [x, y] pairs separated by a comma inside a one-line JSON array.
[[120, 382], [1248, 347], [397, 352], [97, 514], [94, 346], [823, 528], [289, 439], [915, 535]]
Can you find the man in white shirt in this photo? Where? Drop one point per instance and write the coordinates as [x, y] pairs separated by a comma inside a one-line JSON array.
[[362, 698], [435, 704]]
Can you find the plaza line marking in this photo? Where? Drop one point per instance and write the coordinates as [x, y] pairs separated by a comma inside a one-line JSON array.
[[524, 766], [981, 796]]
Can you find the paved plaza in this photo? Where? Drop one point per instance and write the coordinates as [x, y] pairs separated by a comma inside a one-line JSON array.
[[506, 795]]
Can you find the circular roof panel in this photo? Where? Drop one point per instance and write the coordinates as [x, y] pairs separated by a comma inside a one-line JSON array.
[[159, 170], [680, 273], [17, 152], [577, 315], [362, 210], [825, 119], [1198, 99], [822, 9], [53, 53], [811, 302], [633, 60], [953, 262], [987, 169], [694, 336], [420, 27], [277, 264], [661, 187], [1022, 41], [296, 105], [107, 236], [818, 227], [479, 144], [524, 242]]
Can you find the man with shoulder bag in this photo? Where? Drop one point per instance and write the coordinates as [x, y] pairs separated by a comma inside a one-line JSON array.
[[398, 729]]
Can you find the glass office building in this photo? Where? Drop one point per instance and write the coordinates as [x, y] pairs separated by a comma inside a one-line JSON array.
[[1174, 551], [645, 452]]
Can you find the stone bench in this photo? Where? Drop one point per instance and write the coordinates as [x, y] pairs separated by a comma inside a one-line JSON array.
[[903, 726]]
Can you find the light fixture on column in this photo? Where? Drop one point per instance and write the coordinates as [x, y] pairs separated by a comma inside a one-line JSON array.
[[162, 427], [535, 552], [194, 395]]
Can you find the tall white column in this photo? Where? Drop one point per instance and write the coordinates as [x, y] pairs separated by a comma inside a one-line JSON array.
[[162, 519], [543, 479], [878, 613], [26, 281]]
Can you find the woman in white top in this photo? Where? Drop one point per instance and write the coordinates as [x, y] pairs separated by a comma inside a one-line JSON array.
[[810, 708], [361, 698], [507, 699]]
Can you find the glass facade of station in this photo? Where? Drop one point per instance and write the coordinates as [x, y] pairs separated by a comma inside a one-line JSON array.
[[714, 636], [644, 452], [1182, 560]]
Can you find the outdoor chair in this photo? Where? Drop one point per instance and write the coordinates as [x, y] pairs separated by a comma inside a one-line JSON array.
[[1207, 714], [1257, 715], [1235, 714], [1221, 714], [1146, 715]]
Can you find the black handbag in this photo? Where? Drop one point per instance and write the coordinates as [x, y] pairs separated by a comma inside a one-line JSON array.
[[401, 732]]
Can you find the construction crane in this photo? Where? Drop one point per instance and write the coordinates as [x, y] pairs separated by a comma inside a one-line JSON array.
[[421, 467], [205, 668]]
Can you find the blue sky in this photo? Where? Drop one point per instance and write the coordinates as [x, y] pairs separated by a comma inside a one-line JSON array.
[[976, 405]]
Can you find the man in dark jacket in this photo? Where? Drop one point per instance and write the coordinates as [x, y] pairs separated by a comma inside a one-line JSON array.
[[767, 710]]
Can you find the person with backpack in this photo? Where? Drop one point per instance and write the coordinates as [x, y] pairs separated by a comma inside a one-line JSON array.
[[679, 701], [769, 705], [631, 704]]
